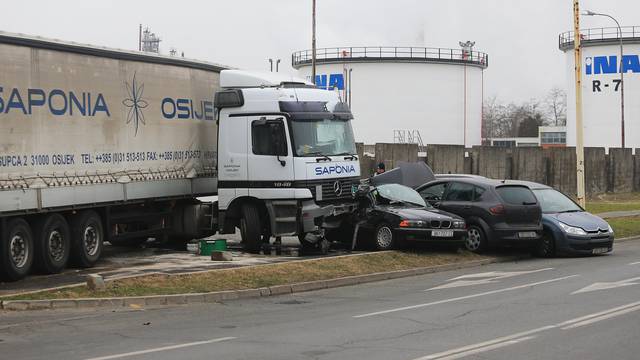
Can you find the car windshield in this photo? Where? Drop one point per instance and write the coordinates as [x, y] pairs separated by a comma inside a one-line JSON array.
[[553, 201], [323, 137], [392, 193]]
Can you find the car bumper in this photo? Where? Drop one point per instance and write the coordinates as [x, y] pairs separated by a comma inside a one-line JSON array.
[[585, 245], [425, 235], [515, 235]]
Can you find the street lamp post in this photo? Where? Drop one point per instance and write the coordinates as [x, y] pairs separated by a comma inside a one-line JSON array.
[[313, 42], [591, 13]]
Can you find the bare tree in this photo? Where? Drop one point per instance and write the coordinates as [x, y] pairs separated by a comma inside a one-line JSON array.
[[556, 106], [511, 120]]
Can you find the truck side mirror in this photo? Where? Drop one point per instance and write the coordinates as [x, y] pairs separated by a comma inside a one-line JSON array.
[[279, 141]]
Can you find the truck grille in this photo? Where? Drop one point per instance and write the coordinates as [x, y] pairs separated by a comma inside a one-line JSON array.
[[325, 190]]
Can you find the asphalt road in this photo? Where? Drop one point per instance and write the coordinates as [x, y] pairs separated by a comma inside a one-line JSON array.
[[575, 308]]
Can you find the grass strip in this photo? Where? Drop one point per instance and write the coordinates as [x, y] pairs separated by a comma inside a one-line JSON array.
[[614, 202], [625, 226], [260, 276]]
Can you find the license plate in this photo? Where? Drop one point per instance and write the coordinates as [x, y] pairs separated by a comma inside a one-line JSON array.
[[442, 233], [600, 250], [527, 234]]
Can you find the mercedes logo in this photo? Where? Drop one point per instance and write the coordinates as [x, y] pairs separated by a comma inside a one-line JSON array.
[[337, 188]]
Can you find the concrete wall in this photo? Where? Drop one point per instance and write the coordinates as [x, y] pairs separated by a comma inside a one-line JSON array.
[[390, 154], [595, 168], [621, 169], [618, 172], [562, 169], [446, 159], [492, 162], [530, 164]]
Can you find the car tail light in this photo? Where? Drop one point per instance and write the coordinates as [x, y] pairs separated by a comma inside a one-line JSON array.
[[497, 210], [404, 223]]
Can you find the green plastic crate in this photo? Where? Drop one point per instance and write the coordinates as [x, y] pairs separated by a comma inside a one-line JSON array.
[[209, 246]]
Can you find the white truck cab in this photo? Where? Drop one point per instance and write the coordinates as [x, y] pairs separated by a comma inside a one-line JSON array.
[[287, 159]]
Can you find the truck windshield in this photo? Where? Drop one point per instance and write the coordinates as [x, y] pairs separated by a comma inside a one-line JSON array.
[[322, 137]]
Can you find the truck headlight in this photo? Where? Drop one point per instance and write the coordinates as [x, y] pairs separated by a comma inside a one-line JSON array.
[[458, 224], [572, 230]]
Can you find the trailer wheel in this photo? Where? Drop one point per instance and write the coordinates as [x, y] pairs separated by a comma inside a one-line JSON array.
[[16, 252], [87, 236], [251, 228], [52, 243]]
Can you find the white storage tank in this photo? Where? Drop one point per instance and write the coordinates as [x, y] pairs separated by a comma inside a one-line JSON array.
[[433, 90], [601, 87]]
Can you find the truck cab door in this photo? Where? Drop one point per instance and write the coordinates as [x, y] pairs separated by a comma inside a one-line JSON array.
[[270, 159]]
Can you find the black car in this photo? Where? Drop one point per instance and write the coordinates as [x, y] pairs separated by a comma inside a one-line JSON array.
[[496, 212], [397, 214]]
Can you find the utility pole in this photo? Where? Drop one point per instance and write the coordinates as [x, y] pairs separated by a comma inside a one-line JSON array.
[[579, 128], [140, 38], [313, 43]]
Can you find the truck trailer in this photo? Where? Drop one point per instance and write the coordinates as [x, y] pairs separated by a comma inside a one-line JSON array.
[[100, 145]]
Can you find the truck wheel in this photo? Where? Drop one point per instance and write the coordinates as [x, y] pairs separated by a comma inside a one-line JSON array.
[[251, 228], [16, 253], [87, 236], [52, 243]]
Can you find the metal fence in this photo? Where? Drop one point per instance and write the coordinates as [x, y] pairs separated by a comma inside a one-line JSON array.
[[565, 40], [345, 54]]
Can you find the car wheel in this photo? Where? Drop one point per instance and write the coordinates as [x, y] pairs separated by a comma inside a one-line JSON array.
[[384, 237], [476, 239], [545, 247]]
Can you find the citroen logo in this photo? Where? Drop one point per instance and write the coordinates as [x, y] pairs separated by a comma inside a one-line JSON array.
[[337, 188]]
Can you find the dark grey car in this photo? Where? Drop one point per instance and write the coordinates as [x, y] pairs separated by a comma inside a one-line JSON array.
[[496, 212]]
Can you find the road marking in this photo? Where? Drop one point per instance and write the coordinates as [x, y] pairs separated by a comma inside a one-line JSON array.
[[463, 297], [165, 348], [603, 315], [475, 349], [483, 278], [607, 285], [635, 263], [520, 337]]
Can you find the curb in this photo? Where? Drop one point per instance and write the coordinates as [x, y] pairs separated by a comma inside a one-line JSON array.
[[631, 238], [221, 296]]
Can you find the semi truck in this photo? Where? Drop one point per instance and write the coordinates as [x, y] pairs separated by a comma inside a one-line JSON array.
[[104, 145]]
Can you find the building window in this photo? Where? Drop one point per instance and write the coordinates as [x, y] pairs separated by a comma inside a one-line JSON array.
[[504, 143], [553, 138]]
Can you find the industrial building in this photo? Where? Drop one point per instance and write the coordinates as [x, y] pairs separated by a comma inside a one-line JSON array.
[[601, 86], [434, 92]]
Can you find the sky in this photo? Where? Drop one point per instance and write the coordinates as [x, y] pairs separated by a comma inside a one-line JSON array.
[[520, 36]]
